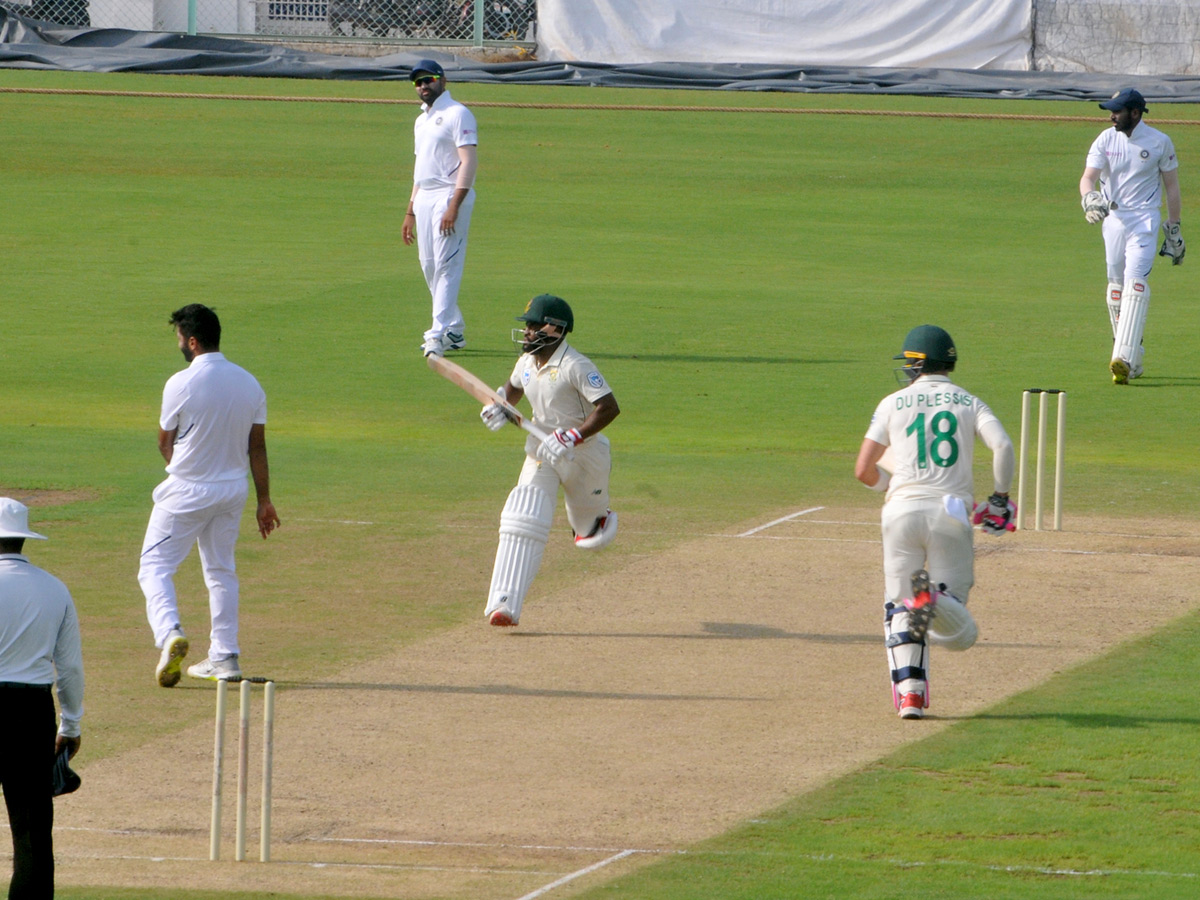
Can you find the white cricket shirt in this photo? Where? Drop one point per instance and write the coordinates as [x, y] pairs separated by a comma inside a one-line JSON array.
[[1130, 167], [563, 391], [931, 427], [212, 403], [438, 132], [39, 635]]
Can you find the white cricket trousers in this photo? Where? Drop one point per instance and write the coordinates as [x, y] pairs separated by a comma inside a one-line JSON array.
[[1129, 248], [187, 513], [443, 256], [922, 534], [584, 480]]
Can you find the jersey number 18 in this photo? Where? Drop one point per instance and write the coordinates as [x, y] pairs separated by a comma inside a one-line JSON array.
[[939, 445]]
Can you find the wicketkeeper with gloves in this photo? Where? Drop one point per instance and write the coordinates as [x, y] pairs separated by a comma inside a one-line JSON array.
[[930, 426], [1129, 167], [571, 400]]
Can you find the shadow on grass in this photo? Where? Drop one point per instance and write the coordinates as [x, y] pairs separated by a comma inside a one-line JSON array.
[[1081, 720]]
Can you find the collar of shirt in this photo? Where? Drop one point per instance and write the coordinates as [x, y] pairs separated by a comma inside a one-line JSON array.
[[938, 377], [438, 104], [216, 355], [555, 359], [19, 556]]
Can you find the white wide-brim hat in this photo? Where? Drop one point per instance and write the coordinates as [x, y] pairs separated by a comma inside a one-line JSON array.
[[14, 520]]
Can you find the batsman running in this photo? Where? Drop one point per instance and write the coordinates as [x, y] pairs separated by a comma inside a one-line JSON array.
[[571, 399], [1129, 167], [930, 427]]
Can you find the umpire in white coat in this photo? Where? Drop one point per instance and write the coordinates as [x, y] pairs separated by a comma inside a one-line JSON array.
[[39, 647]]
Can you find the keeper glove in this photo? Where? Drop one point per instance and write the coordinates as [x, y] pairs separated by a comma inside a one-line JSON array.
[[1095, 208], [1172, 243]]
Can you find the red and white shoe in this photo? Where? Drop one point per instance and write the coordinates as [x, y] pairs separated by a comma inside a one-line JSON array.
[[912, 706]]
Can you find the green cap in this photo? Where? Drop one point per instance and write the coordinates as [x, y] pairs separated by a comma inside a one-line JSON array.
[[547, 309]]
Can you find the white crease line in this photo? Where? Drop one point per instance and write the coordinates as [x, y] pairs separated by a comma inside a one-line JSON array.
[[592, 868], [569, 848], [397, 867], [803, 512]]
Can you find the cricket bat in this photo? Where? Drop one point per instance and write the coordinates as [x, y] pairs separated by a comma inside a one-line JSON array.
[[478, 388]]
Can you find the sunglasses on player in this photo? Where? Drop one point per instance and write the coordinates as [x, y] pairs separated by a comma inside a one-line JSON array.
[[424, 80]]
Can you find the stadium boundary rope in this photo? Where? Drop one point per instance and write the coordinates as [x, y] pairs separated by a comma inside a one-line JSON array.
[[267, 98]]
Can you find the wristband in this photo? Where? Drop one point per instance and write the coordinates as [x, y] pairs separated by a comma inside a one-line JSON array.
[[885, 478]]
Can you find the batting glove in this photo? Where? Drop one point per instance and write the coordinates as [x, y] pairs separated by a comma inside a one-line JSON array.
[[996, 515], [494, 416], [1094, 207], [560, 444], [1172, 243]]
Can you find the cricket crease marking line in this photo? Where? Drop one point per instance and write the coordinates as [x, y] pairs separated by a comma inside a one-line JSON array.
[[567, 848], [795, 515], [397, 867], [584, 871]]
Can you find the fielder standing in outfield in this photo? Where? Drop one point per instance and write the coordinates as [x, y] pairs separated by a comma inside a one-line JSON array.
[[39, 647], [570, 396], [212, 431], [1133, 164], [928, 553], [443, 197]]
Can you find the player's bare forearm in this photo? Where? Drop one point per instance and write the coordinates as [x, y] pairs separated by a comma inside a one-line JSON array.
[[408, 230], [601, 416], [450, 217], [260, 474], [866, 467], [166, 443], [511, 392], [1174, 198], [268, 519]]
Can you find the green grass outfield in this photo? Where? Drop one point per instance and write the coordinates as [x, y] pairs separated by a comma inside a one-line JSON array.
[[742, 277]]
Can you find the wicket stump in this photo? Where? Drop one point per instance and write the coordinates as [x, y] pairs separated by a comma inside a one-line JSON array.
[[214, 841], [1040, 467]]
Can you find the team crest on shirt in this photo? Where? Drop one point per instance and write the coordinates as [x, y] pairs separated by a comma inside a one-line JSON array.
[[595, 379], [437, 121], [1145, 154], [525, 378]]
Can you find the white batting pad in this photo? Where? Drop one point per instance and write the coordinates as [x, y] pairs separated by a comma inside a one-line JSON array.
[[953, 627], [1114, 306], [907, 658], [601, 538], [1135, 301], [524, 530]]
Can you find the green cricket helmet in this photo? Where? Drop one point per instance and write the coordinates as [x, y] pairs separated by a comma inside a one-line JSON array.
[[547, 309], [927, 344], [544, 309]]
